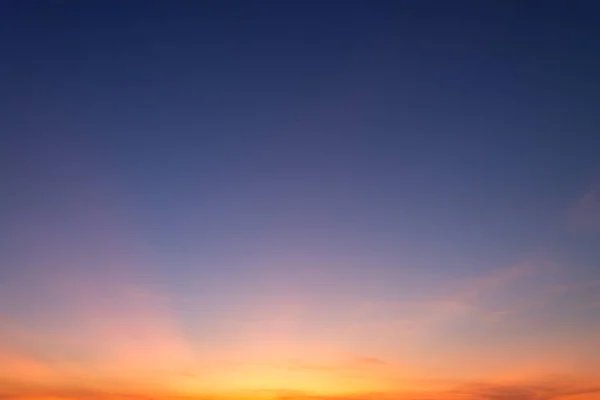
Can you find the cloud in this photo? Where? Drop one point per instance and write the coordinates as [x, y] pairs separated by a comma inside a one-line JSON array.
[[20, 360], [585, 213], [557, 389], [552, 388], [455, 300], [68, 393], [525, 391], [125, 338]]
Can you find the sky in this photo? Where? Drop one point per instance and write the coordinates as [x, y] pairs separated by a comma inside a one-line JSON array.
[[299, 200]]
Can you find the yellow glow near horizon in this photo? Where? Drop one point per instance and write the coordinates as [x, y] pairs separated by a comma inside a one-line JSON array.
[[262, 380], [318, 382]]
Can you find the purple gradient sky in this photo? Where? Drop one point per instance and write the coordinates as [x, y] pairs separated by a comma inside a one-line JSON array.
[[211, 187]]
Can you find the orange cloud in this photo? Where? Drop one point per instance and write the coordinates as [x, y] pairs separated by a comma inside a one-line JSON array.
[[557, 389], [544, 390]]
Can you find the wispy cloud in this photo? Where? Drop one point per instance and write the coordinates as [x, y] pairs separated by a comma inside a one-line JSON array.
[[558, 389], [585, 213], [457, 299], [124, 339], [555, 389]]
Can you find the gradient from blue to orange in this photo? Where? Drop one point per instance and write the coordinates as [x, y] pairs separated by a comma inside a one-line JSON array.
[[300, 199]]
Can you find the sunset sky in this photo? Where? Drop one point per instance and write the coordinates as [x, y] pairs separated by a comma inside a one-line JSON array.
[[299, 200]]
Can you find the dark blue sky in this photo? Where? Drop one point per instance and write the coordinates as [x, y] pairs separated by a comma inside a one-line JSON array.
[[375, 147], [465, 125]]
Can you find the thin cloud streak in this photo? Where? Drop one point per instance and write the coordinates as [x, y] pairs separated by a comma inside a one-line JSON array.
[[585, 213]]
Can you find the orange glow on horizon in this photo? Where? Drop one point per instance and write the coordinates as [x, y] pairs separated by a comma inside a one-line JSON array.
[[134, 342]]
